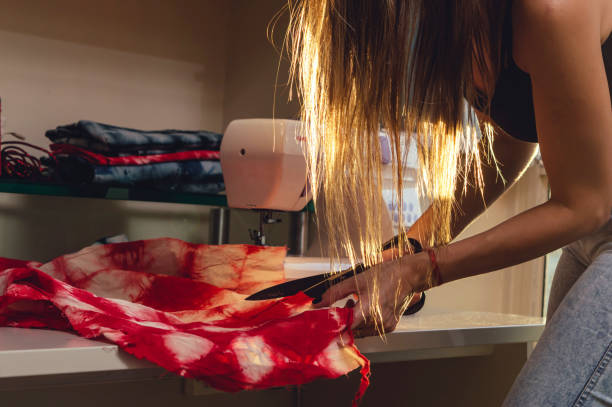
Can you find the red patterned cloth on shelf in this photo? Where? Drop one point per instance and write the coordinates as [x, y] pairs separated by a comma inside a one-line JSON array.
[[100, 159], [181, 306]]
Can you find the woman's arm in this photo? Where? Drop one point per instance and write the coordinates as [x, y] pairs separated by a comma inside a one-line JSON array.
[[558, 43], [512, 159], [512, 156]]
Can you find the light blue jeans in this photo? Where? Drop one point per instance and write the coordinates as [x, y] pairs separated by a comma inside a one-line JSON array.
[[572, 362]]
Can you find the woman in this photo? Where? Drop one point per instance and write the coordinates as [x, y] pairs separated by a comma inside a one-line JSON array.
[[535, 70]]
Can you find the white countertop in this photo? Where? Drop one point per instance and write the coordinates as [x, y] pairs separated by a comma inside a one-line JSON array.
[[428, 334], [431, 333]]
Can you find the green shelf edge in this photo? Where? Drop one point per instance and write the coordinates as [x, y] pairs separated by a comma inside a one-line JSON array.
[[119, 194], [112, 193]]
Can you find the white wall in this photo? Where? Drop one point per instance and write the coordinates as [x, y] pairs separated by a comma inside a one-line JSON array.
[[255, 81], [517, 289], [145, 64]]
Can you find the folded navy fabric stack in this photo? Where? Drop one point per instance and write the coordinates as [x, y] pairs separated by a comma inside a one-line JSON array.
[[94, 153]]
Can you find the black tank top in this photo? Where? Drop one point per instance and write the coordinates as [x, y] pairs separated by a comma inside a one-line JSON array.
[[512, 103]]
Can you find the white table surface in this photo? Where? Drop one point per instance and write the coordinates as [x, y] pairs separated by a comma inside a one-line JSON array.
[[428, 334], [35, 352]]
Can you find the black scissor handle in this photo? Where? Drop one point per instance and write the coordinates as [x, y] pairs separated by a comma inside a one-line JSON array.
[[394, 242]]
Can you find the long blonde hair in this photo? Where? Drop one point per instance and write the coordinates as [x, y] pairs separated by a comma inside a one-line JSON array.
[[406, 66]]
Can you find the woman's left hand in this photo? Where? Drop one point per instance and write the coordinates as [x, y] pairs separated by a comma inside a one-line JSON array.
[[398, 279]]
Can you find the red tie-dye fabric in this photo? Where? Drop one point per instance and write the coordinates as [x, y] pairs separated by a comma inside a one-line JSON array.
[[181, 306]]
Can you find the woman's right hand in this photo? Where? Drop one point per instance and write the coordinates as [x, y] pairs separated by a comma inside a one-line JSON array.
[[399, 279]]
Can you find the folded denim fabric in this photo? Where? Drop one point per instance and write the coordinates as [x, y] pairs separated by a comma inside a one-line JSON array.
[[101, 159], [106, 138], [193, 188], [74, 169]]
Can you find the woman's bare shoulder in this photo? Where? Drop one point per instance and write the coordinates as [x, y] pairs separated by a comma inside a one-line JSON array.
[[536, 22], [553, 12]]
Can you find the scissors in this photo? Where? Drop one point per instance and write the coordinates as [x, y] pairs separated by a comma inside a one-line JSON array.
[[315, 286]]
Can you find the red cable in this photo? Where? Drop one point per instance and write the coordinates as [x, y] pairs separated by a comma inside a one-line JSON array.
[[17, 162]]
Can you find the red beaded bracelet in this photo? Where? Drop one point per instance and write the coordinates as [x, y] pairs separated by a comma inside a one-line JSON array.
[[436, 276]]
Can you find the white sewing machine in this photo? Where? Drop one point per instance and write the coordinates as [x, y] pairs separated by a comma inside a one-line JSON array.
[[264, 169], [263, 165]]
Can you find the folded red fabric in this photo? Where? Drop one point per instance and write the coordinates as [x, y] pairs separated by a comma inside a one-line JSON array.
[[100, 159], [181, 306]]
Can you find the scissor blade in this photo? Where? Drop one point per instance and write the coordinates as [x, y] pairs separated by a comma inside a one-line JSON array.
[[288, 288], [313, 286]]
